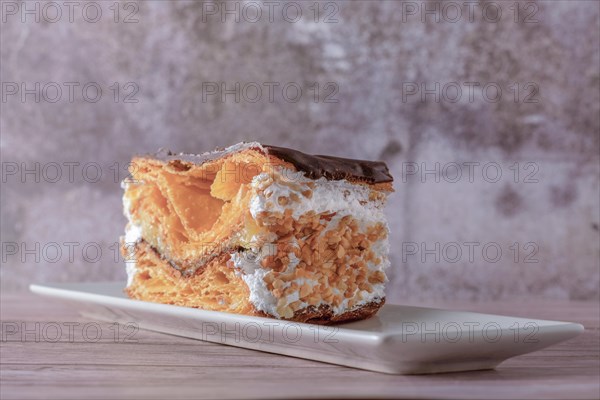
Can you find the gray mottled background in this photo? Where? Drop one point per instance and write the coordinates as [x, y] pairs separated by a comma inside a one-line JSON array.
[[368, 58]]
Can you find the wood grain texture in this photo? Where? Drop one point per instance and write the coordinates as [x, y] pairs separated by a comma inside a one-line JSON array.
[[150, 365]]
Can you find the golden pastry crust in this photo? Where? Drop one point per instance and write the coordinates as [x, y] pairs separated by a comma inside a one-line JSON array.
[[213, 287]]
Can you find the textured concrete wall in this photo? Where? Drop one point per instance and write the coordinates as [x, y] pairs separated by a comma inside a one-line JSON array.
[[488, 115]]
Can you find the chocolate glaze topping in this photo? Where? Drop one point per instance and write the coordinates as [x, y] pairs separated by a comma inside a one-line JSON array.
[[313, 166], [333, 168]]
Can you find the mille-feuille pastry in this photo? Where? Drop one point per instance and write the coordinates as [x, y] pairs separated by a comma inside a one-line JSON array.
[[258, 230]]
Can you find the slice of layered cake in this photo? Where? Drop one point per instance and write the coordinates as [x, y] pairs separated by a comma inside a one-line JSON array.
[[258, 230]]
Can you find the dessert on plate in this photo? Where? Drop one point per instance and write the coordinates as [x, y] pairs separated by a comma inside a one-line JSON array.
[[258, 230]]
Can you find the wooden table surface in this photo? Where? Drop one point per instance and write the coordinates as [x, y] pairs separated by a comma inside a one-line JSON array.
[[150, 365]]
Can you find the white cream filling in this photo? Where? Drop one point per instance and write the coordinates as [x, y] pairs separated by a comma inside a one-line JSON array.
[[327, 196], [248, 262], [133, 234]]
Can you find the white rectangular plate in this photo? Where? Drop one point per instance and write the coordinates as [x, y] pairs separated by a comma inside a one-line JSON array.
[[398, 340]]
